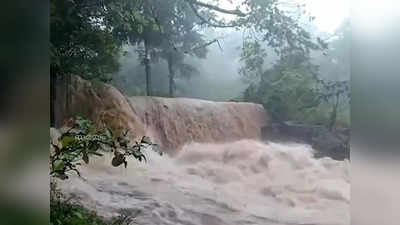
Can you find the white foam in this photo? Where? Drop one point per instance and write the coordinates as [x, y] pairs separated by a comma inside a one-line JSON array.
[[235, 183]]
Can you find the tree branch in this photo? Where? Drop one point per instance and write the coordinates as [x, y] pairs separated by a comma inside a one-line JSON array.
[[236, 12], [205, 21], [204, 45]]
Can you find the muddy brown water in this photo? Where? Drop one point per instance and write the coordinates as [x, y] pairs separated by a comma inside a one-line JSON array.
[[243, 182]]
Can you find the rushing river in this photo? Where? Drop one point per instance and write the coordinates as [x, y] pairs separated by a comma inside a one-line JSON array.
[[243, 182]]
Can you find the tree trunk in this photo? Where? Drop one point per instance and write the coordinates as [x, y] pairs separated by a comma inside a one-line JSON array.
[[171, 77], [53, 84], [333, 117], [147, 68], [68, 94]]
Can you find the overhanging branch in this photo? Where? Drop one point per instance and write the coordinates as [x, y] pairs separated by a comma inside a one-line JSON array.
[[236, 12], [204, 46], [205, 21]]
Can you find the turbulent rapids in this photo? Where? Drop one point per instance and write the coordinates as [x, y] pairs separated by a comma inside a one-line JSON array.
[[242, 182], [217, 171]]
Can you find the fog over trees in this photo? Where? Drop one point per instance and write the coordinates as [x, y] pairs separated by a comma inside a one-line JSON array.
[[289, 74]]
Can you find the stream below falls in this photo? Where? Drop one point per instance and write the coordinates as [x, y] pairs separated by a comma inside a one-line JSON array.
[[238, 183]]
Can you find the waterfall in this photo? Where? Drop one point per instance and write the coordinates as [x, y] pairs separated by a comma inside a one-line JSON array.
[[217, 170]]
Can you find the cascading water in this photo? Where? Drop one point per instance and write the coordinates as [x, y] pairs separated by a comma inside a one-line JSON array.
[[242, 182], [238, 181]]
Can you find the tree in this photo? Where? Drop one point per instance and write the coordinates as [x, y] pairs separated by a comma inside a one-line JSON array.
[[268, 26], [80, 42], [298, 87], [181, 39], [335, 65], [135, 23], [87, 35], [85, 39], [334, 76], [175, 37], [252, 56], [265, 22], [287, 90], [333, 92], [274, 22], [78, 45]]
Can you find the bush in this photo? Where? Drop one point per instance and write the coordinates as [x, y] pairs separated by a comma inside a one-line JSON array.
[[63, 212], [83, 140]]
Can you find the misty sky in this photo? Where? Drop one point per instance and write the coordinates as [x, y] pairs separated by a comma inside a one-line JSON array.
[[219, 71], [329, 13]]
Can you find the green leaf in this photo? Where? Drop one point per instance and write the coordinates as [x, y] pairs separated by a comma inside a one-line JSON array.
[[79, 215], [67, 141], [59, 165], [108, 133], [92, 130], [59, 145], [82, 124]]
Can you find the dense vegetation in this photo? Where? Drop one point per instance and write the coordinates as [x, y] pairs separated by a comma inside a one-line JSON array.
[[88, 36], [64, 212], [81, 141], [295, 88], [306, 78]]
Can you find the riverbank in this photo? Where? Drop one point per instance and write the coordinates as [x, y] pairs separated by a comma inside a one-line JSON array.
[[333, 144]]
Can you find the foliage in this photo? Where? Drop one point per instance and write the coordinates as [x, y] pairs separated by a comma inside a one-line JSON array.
[[175, 39], [80, 43], [180, 23], [286, 90], [293, 90], [275, 23], [278, 26], [252, 56], [63, 212], [86, 36], [334, 93], [334, 79], [298, 87], [83, 140]]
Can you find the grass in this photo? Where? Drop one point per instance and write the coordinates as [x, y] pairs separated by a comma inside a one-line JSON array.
[[64, 213]]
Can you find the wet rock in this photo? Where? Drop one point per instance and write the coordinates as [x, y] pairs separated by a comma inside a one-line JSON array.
[[170, 122], [334, 144]]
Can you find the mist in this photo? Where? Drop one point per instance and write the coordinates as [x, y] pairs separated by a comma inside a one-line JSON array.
[[216, 78], [242, 110]]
